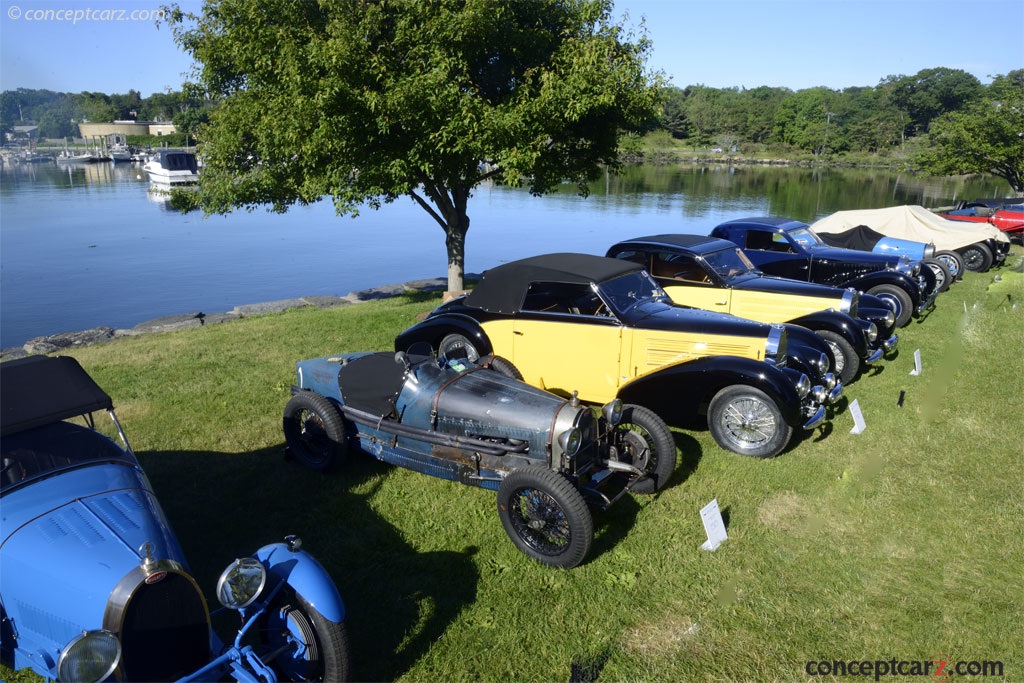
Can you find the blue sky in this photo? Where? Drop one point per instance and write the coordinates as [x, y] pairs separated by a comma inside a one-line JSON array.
[[719, 43]]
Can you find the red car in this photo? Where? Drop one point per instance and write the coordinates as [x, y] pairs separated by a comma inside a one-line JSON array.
[[1005, 214]]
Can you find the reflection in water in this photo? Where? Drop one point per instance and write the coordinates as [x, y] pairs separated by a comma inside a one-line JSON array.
[[89, 245]]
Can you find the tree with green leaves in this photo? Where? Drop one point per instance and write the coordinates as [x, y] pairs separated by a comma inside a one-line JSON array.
[[366, 101], [987, 137]]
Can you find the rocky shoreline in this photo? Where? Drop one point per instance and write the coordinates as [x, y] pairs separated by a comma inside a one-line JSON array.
[[183, 321]]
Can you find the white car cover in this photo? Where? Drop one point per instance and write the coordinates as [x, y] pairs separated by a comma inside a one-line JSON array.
[[912, 223]]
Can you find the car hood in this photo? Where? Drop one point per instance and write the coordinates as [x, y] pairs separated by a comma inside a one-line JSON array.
[[63, 554], [781, 285], [661, 316], [853, 256]]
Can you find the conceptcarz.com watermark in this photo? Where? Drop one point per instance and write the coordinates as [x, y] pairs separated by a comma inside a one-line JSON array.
[[83, 14], [938, 668]]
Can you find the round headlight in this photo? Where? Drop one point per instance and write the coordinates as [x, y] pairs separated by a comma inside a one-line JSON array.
[[240, 584], [612, 412], [929, 250], [803, 386], [92, 656], [822, 364], [871, 331], [570, 441]]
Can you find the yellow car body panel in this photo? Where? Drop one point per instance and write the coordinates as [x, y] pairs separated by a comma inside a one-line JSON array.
[[764, 307], [603, 357]]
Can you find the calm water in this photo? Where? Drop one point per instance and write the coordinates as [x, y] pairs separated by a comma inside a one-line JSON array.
[[91, 246]]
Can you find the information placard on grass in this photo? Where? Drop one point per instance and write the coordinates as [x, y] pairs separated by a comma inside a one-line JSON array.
[[713, 525]]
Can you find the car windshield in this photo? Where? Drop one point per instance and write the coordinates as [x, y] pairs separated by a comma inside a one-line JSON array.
[[626, 291], [805, 237], [729, 263]]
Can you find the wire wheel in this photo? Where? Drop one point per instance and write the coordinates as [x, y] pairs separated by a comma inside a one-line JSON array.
[[745, 420], [545, 516]]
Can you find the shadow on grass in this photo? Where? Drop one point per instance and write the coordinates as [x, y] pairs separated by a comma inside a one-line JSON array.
[[398, 601]]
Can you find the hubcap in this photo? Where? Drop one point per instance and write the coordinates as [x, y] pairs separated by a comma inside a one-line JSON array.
[[749, 422]]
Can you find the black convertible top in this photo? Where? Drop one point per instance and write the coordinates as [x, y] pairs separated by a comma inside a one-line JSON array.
[[860, 237], [502, 289], [38, 390], [700, 244]]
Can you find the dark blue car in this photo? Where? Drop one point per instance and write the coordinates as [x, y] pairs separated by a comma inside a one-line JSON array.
[[93, 582], [787, 248]]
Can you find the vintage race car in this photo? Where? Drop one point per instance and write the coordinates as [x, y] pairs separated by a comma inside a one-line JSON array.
[[713, 274], [1006, 214], [93, 582], [977, 247], [546, 456], [603, 328], [790, 249]]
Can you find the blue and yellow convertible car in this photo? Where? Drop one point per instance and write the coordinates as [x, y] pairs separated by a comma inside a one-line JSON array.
[[603, 328]]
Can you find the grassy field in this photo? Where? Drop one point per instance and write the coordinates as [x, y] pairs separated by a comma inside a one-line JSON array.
[[903, 542]]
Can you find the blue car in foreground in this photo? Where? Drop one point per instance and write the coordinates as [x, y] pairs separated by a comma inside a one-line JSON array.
[[93, 582]]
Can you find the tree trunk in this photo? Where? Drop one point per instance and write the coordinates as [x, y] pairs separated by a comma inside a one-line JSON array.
[[455, 243]]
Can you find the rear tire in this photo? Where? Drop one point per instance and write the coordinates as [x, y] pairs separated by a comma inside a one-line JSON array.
[[847, 360], [545, 516], [505, 367], [977, 257], [314, 431], [898, 300]]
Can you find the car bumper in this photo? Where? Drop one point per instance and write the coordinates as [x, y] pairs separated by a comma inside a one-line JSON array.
[[816, 418]]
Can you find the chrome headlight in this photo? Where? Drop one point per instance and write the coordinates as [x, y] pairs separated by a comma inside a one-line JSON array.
[[929, 250], [570, 441], [92, 656], [241, 583], [612, 412], [822, 364], [830, 381], [802, 386], [890, 318], [870, 330]]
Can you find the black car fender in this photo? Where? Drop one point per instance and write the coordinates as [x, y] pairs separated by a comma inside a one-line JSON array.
[[434, 329], [887, 277], [838, 323], [680, 392]]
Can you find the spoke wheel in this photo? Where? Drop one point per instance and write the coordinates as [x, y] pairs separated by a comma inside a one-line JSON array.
[[647, 444], [458, 346], [953, 261], [545, 516], [977, 257], [943, 276], [847, 360], [745, 420]]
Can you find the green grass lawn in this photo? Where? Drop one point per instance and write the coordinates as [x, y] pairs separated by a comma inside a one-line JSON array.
[[903, 542]]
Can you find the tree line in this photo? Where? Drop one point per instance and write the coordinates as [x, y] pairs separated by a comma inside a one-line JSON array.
[[58, 113]]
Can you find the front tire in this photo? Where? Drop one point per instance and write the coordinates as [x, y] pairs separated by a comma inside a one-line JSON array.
[[953, 261], [847, 360], [458, 346], [745, 420], [977, 257], [325, 653], [314, 431], [943, 275], [898, 300], [647, 443], [545, 516]]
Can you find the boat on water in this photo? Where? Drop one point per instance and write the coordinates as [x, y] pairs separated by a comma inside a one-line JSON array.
[[172, 167], [120, 153], [78, 158]]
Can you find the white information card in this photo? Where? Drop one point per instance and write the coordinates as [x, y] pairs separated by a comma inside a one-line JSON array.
[[713, 525]]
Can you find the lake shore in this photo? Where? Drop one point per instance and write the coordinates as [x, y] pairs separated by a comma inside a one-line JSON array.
[[183, 321]]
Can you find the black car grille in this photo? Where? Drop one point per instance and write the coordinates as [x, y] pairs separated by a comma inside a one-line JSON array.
[[588, 453], [165, 631]]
